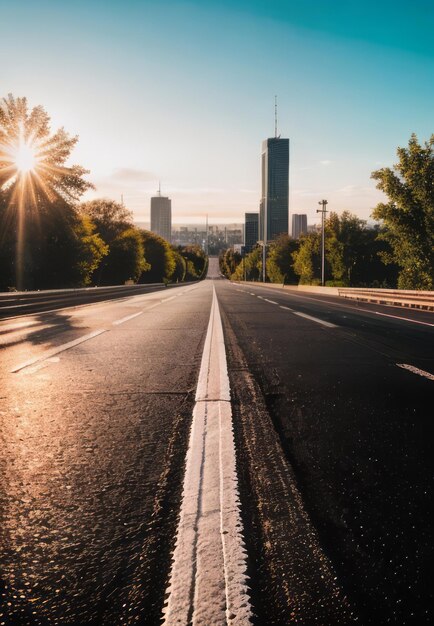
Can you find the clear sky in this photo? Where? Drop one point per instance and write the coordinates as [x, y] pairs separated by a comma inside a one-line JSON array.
[[184, 92]]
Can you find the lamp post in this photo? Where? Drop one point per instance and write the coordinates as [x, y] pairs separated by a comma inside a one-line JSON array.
[[323, 212]]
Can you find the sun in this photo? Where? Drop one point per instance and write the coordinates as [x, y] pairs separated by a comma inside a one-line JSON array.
[[25, 157]]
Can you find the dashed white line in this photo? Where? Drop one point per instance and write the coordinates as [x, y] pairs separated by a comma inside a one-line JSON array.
[[416, 370], [406, 319], [125, 319], [270, 301], [315, 319], [286, 308], [49, 353]]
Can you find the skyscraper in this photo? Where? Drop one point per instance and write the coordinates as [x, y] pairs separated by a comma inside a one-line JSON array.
[[161, 216], [299, 225], [275, 188], [251, 231]]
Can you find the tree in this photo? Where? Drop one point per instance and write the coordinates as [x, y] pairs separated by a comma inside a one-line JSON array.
[[229, 261], [110, 218], [196, 261], [307, 259], [159, 256], [43, 242], [280, 263], [408, 217], [126, 260], [179, 274], [114, 223]]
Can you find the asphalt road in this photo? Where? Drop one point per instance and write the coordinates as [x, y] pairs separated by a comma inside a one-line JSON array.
[[355, 428], [333, 455], [93, 443]]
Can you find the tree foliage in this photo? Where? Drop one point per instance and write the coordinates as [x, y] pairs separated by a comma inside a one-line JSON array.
[[110, 218], [196, 262], [229, 261], [280, 264], [44, 243], [307, 259], [408, 216], [160, 258], [114, 223]]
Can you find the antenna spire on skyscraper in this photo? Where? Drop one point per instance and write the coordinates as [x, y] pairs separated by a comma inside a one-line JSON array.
[[275, 116]]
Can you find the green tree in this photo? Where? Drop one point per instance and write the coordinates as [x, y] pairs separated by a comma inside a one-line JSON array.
[[408, 216], [110, 218], [280, 262], [307, 259], [178, 275], [196, 261], [126, 260], [114, 223], [229, 260], [43, 241], [160, 258]]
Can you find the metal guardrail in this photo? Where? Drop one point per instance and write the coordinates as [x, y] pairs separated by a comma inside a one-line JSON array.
[[398, 297], [18, 303]]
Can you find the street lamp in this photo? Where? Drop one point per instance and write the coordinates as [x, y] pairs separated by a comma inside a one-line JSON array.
[[323, 211]]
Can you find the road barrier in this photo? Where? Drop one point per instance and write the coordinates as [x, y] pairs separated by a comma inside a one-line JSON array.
[[396, 297], [20, 302]]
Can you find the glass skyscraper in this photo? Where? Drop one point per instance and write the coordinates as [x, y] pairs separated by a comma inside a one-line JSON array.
[[251, 234], [161, 217], [274, 205]]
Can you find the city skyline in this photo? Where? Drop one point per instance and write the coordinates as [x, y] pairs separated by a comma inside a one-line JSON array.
[[353, 84]]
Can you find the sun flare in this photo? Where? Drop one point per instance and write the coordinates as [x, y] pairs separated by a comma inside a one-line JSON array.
[[25, 157]]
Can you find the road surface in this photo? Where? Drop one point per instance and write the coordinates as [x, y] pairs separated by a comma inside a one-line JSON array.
[[331, 407]]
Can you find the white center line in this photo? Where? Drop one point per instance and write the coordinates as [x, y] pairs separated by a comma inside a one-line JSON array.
[[49, 353], [270, 301], [125, 319], [315, 319], [416, 370], [286, 308], [208, 582]]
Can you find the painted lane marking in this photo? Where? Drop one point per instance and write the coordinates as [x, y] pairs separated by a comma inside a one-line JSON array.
[[407, 319], [49, 353], [253, 294], [286, 308], [315, 319], [260, 297], [355, 308], [125, 319], [270, 301], [208, 583], [416, 370]]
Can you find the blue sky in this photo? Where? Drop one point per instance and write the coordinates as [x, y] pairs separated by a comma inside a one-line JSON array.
[[184, 92]]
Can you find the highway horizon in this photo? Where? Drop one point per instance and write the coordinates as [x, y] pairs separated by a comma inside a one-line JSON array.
[[331, 408]]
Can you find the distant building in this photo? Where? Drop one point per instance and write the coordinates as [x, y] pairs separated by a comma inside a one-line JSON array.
[[274, 204], [161, 216], [299, 225], [251, 231]]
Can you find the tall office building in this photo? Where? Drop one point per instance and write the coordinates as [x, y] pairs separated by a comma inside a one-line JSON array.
[[251, 231], [299, 225], [275, 188], [161, 216]]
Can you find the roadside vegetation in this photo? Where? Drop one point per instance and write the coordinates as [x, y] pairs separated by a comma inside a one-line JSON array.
[[49, 239], [397, 252]]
